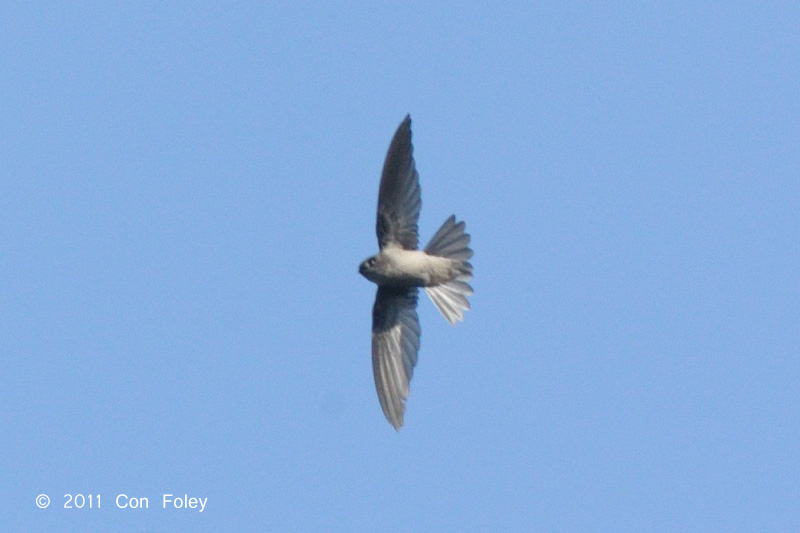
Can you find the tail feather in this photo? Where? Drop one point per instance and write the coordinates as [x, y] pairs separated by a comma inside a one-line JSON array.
[[450, 297], [450, 241]]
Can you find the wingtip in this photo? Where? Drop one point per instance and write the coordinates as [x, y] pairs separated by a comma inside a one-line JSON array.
[[395, 421]]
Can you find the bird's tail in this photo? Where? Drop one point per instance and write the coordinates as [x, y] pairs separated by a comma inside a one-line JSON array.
[[450, 297]]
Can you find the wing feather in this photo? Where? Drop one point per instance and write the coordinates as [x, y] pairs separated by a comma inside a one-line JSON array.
[[395, 345], [399, 198]]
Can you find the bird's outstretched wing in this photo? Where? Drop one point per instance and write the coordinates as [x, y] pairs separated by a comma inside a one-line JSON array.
[[395, 343], [399, 197]]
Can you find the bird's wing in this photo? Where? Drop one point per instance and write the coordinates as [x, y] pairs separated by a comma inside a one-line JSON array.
[[399, 197], [395, 343]]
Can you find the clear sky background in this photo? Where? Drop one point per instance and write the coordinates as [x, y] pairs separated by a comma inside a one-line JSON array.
[[186, 191]]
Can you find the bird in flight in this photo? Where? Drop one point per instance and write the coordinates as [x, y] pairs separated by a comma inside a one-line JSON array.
[[399, 269]]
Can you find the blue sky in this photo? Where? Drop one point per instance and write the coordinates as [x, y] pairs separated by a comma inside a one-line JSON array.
[[187, 191]]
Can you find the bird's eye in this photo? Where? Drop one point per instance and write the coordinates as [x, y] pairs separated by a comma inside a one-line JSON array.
[[371, 261]]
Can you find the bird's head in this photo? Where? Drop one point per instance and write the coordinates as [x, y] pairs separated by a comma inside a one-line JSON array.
[[368, 268]]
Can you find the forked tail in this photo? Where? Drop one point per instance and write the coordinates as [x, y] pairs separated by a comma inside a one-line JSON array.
[[450, 297]]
